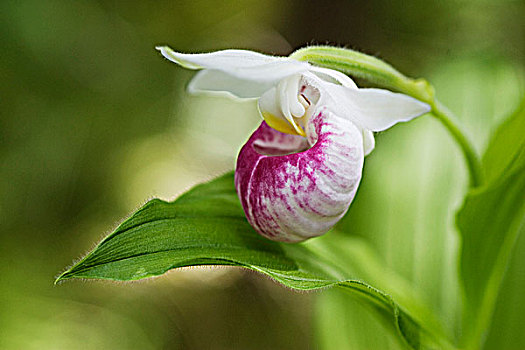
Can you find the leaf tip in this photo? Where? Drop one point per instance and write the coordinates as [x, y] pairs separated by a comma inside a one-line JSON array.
[[59, 279], [62, 277]]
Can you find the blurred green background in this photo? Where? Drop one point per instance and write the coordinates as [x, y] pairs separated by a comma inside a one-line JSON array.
[[94, 122]]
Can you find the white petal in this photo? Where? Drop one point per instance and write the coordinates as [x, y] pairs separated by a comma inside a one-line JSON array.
[[380, 109], [288, 97], [337, 76], [369, 142], [271, 108], [242, 64], [213, 81], [372, 109]]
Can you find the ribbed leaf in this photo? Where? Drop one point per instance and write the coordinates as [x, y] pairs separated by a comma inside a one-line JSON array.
[[507, 146], [490, 221], [506, 331], [206, 226]]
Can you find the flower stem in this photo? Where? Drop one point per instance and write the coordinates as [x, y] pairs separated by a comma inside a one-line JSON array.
[[471, 157], [382, 74]]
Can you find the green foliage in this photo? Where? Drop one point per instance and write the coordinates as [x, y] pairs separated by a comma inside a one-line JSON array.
[[346, 324], [490, 222], [93, 123], [506, 328], [412, 234], [492, 215], [506, 151], [206, 226]]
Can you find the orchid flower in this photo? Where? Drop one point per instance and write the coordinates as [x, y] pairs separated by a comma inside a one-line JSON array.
[[298, 173]]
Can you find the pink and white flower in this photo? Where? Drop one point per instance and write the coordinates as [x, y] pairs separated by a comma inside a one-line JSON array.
[[299, 171]]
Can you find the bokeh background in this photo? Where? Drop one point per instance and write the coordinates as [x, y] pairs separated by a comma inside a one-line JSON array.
[[94, 122]]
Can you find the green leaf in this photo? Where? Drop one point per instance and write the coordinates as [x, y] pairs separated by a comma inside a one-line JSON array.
[[490, 221], [345, 324], [506, 331], [507, 146], [206, 226], [403, 208]]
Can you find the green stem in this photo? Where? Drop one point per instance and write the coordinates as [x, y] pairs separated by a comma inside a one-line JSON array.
[[382, 74], [471, 157]]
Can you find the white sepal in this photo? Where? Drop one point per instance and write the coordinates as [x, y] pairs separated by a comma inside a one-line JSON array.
[[231, 68]]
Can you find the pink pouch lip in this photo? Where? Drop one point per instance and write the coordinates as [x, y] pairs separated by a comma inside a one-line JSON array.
[[290, 191]]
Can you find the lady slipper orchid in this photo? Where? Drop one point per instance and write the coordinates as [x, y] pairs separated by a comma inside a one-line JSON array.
[[299, 171]]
